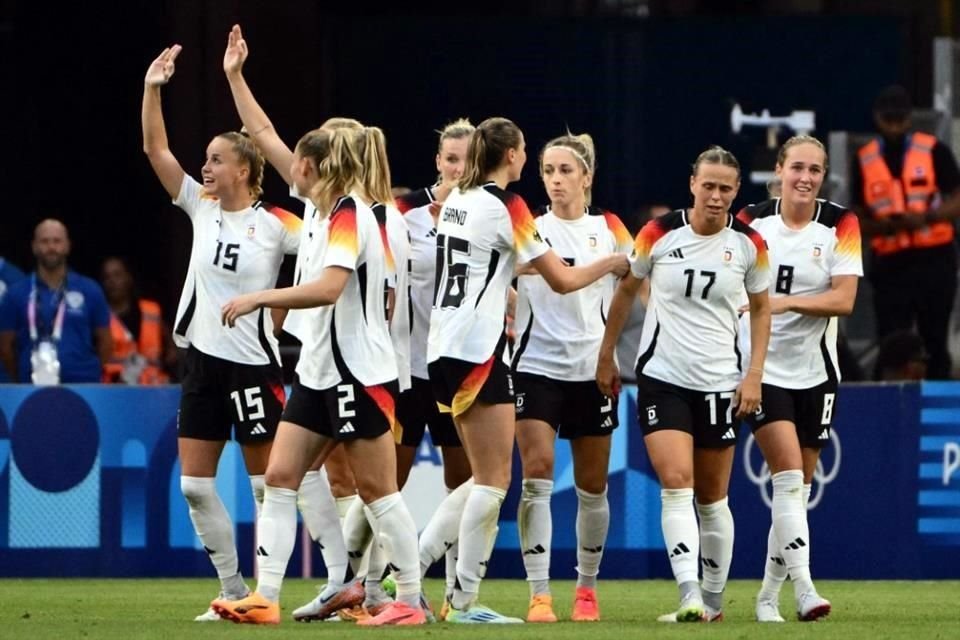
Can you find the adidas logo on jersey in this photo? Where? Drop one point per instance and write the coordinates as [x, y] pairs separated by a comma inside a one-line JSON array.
[[347, 428], [607, 423], [824, 435], [676, 253], [730, 434], [258, 430]]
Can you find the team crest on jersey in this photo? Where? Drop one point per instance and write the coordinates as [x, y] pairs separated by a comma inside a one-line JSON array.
[[74, 299], [251, 230], [817, 251], [652, 418], [593, 240], [727, 254]]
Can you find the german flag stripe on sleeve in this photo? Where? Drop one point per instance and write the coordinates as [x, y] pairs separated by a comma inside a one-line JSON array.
[[525, 231], [616, 226], [343, 228], [848, 235], [648, 236], [290, 221], [763, 257]]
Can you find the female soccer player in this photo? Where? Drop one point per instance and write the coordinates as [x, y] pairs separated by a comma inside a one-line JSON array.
[[482, 232], [815, 254], [346, 385], [554, 367], [231, 377], [691, 388]]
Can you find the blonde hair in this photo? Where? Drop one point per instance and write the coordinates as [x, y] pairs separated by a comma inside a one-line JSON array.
[[581, 147], [334, 151], [798, 140], [250, 155], [716, 155], [371, 143], [456, 130], [488, 147]]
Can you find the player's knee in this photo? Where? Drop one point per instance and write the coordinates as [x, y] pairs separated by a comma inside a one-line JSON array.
[[276, 476], [197, 491], [676, 478], [592, 484]]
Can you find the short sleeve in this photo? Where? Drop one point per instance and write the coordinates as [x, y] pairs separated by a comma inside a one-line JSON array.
[[847, 258], [291, 227], [189, 197], [622, 241], [99, 310], [641, 256], [526, 239], [343, 245], [757, 277]]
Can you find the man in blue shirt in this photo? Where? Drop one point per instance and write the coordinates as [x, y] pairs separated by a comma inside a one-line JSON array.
[[55, 323], [9, 274]]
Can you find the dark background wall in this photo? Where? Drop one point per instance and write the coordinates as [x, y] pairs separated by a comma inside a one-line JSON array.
[[653, 91]]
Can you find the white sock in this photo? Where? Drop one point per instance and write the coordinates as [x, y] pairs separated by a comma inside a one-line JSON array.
[[478, 532], [344, 504], [276, 535], [593, 522], [319, 512], [680, 533], [397, 535], [775, 569], [377, 560], [716, 549], [215, 530], [443, 529], [791, 528], [450, 563], [256, 485], [357, 535], [535, 525]]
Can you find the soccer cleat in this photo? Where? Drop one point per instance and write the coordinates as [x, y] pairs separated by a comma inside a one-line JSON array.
[[479, 614], [692, 609], [427, 608], [389, 586], [374, 608], [811, 607], [353, 614], [208, 616], [541, 609], [330, 600], [254, 609], [396, 613], [585, 607], [768, 611]]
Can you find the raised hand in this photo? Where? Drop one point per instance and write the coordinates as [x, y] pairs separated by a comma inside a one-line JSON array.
[[161, 70], [236, 53]]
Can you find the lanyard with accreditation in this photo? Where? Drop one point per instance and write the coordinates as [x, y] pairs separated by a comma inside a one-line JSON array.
[[44, 360]]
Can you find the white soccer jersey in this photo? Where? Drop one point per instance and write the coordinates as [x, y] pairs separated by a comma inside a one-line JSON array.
[[312, 221], [803, 348], [398, 238], [481, 235], [696, 282], [423, 276], [233, 252], [351, 335], [560, 335]]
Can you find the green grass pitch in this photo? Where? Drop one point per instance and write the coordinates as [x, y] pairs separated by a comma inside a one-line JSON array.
[[164, 608]]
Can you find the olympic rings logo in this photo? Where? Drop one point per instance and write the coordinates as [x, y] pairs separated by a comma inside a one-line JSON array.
[[821, 476]]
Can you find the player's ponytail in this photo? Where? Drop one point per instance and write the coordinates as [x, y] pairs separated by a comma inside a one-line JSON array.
[[487, 149]]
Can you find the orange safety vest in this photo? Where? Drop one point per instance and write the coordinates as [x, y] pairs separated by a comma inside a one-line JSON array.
[[911, 193], [150, 346]]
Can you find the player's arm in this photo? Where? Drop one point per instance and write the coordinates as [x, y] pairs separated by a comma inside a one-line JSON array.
[[254, 118], [565, 279], [747, 396], [608, 376], [155, 145], [323, 291], [8, 352], [838, 301]]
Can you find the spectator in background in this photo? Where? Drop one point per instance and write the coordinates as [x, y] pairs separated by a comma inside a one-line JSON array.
[[9, 275], [905, 186], [902, 357], [54, 324], [143, 350]]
